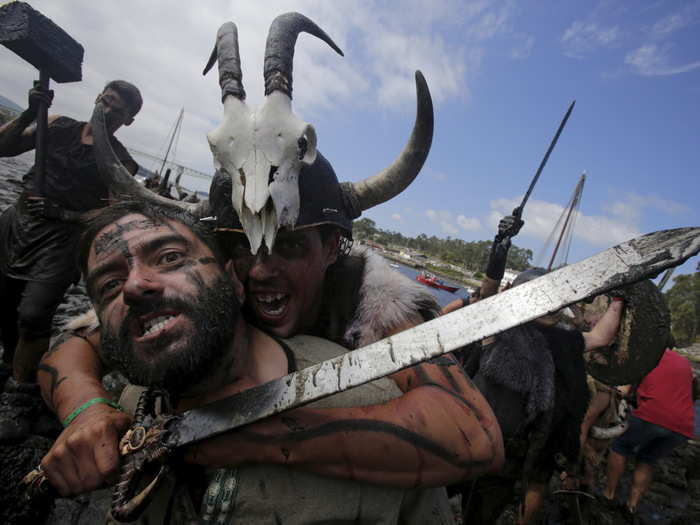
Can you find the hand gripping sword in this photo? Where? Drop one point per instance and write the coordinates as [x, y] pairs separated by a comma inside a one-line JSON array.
[[152, 439]]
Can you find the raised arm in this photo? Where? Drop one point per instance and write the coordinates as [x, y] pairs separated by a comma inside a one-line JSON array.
[[605, 330], [18, 136], [85, 455]]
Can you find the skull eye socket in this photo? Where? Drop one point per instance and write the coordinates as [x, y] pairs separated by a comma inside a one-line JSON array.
[[271, 174], [306, 145], [303, 146]]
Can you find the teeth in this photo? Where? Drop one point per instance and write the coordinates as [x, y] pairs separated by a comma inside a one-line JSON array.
[[155, 324], [268, 298], [272, 303]]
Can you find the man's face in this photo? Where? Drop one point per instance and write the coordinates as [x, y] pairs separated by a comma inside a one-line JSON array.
[[166, 307], [284, 289], [117, 112]]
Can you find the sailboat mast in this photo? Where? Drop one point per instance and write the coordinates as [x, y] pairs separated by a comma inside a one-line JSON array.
[[178, 122], [573, 206]]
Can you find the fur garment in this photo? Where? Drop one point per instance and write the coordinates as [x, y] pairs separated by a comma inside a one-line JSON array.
[[387, 300], [521, 360]]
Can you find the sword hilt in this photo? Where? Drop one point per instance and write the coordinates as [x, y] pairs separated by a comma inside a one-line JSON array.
[[145, 456], [37, 486]]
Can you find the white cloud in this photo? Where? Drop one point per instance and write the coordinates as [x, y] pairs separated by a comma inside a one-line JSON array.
[[523, 47], [582, 38], [443, 219], [669, 24], [397, 217], [654, 60], [632, 205], [622, 223], [162, 47], [469, 224], [541, 217], [675, 21], [451, 224]]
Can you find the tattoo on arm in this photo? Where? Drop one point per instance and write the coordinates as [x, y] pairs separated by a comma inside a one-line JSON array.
[[369, 425], [55, 381]]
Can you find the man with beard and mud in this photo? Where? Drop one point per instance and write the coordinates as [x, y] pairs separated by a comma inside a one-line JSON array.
[[303, 270], [169, 309], [39, 233], [298, 279]]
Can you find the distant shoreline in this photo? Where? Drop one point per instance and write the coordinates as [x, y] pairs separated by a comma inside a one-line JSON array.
[[471, 283]]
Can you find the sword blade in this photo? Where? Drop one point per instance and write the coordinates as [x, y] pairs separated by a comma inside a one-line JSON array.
[[626, 263]]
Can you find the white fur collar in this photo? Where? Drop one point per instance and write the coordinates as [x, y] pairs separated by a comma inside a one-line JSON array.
[[388, 299]]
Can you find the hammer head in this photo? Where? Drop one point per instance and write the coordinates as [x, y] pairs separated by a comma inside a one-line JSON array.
[[40, 42]]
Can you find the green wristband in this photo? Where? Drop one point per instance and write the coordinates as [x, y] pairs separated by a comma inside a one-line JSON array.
[[70, 417]]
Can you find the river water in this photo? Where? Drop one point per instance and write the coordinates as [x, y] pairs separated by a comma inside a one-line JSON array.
[[442, 296]]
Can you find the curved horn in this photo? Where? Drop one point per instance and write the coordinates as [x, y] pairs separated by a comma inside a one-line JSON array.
[[115, 175], [393, 180], [226, 52], [279, 49]]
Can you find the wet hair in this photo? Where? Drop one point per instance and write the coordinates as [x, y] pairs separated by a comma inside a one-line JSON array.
[[99, 219], [128, 92]]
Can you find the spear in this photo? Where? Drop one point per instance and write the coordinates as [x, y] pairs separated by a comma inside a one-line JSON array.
[[518, 212]]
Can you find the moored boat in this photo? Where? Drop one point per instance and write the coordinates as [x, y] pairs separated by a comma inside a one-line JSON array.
[[431, 280]]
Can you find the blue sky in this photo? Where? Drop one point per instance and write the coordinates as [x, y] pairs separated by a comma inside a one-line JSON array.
[[501, 73]]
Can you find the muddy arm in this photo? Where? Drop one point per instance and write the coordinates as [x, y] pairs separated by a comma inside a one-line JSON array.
[[85, 455]]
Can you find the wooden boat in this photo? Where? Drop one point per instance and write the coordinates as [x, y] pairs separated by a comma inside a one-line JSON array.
[[431, 280]]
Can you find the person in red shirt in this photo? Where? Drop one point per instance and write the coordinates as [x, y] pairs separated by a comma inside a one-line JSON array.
[[663, 419]]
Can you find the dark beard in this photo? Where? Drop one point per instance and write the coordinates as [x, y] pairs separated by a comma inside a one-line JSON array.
[[213, 315]]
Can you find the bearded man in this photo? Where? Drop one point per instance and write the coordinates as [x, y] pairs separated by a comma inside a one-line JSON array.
[[39, 233], [299, 280], [169, 309]]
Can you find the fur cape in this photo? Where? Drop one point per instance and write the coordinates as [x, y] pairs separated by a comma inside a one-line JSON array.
[[387, 300]]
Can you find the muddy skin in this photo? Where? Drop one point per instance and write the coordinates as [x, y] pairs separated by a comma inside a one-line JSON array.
[[55, 381], [110, 240]]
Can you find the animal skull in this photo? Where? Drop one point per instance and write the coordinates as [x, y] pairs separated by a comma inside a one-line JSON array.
[[263, 152]]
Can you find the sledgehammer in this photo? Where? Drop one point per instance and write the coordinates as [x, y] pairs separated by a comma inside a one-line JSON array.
[[48, 48]]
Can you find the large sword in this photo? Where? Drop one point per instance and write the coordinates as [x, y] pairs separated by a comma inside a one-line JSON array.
[[152, 439]]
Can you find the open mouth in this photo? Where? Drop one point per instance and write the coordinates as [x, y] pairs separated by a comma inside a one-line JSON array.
[[271, 305], [154, 324]]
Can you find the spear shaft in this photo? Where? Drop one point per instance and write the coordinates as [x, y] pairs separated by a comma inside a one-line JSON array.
[[543, 163]]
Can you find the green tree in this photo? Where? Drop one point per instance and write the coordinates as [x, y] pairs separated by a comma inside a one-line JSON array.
[[684, 303], [364, 228]]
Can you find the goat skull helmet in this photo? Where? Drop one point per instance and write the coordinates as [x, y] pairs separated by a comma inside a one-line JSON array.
[[277, 177]]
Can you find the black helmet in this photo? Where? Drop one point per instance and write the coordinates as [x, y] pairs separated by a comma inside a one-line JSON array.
[[321, 197]]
